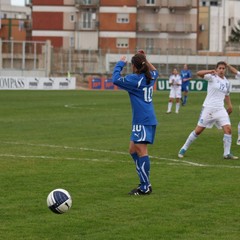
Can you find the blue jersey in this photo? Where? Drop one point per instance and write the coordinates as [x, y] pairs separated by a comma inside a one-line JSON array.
[[140, 94], [185, 74]]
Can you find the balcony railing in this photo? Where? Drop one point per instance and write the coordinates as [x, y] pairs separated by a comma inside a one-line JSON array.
[[86, 3], [181, 28], [149, 27], [183, 4], [86, 26]]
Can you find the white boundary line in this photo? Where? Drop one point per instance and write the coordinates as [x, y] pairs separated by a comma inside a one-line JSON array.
[[81, 106], [173, 161], [75, 159]]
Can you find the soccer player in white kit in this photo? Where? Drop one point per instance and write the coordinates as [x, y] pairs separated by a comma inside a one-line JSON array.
[[237, 73], [213, 111], [175, 82]]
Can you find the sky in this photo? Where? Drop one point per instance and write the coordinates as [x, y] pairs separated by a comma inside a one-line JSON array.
[[18, 2]]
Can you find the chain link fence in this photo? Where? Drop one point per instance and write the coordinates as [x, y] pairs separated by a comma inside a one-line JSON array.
[[40, 59]]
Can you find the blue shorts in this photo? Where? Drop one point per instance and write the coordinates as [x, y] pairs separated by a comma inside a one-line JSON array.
[[143, 133], [185, 88]]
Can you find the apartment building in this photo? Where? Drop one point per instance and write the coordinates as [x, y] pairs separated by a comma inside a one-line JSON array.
[[155, 25], [87, 25], [168, 26], [117, 24], [55, 21], [14, 21], [217, 19]]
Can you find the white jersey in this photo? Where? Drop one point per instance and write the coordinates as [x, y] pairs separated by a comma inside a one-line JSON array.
[[238, 75], [217, 89], [175, 88]]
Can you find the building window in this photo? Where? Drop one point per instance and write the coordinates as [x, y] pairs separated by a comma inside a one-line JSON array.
[[122, 43], [213, 3], [71, 42], [150, 2], [87, 20], [149, 45], [122, 18], [87, 2], [72, 18]]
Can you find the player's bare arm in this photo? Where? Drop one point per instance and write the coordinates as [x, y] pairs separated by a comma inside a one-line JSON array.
[[232, 69], [201, 73]]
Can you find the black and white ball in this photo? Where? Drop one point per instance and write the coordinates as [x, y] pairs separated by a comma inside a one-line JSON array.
[[59, 201]]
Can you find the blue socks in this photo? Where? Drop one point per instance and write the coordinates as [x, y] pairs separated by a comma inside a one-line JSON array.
[[185, 100], [143, 170]]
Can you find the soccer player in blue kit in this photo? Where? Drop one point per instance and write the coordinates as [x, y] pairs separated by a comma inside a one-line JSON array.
[[139, 86], [186, 76]]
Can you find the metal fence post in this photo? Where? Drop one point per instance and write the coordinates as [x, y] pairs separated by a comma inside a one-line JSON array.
[[48, 58]]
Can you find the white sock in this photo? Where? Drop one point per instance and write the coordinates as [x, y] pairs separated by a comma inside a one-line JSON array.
[[227, 142], [191, 138], [169, 106], [177, 107]]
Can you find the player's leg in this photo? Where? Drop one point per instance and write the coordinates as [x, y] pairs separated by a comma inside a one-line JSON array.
[[185, 97], [238, 140], [227, 142], [191, 138], [141, 136], [142, 163], [170, 103], [182, 93], [133, 153], [143, 166], [203, 122], [223, 121], [177, 105]]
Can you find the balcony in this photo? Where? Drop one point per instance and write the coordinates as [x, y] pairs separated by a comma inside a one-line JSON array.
[[86, 3], [179, 28], [86, 26], [180, 4], [149, 27]]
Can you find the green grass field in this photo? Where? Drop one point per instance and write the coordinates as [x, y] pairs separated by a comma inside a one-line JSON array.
[[78, 140]]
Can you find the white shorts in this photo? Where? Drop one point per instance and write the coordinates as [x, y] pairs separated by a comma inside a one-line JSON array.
[[210, 117], [175, 93]]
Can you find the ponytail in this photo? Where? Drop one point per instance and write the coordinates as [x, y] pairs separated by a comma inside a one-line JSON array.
[[140, 62]]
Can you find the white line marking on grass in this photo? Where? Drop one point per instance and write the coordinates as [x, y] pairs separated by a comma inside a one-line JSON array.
[[198, 164], [176, 161], [79, 106], [55, 158], [179, 163], [74, 159]]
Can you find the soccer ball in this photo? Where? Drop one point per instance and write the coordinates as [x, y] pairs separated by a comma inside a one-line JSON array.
[[59, 201]]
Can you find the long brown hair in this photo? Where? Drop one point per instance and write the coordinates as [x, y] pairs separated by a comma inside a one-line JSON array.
[[140, 62]]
